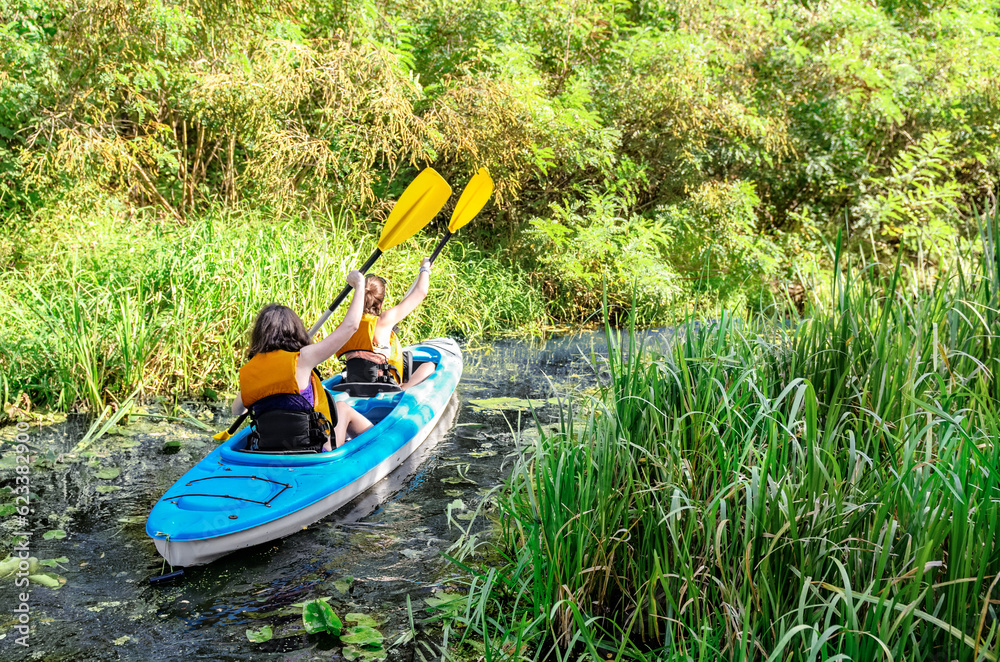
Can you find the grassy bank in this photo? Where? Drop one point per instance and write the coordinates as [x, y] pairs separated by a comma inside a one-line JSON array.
[[98, 307], [817, 490]]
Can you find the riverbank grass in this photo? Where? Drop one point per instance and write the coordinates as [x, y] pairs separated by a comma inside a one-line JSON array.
[[99, 307], [814, 489]]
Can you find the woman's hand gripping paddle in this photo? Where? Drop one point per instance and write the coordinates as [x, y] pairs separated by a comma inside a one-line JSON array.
[[475, 196], [420, 202]]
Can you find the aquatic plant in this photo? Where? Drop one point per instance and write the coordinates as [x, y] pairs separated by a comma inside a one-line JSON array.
[[318, 617], [260, 636], [780, 489], [14, 566]]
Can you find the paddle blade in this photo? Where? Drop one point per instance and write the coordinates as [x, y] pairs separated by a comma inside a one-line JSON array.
[[475, 196], [420, 202], [222, 436]]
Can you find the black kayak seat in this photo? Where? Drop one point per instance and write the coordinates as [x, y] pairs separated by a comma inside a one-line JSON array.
[[365, 389]]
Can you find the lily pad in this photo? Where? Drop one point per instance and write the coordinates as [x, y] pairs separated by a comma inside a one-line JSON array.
[[47, 579], [363, 635], [261, 635], [318, 616], [297, 607], [51, 563], [361, 619], [453, 493], [54, 534], [109, 473], [482, 454], [343, 584], [352, 653], [105, 489], [9, 565]]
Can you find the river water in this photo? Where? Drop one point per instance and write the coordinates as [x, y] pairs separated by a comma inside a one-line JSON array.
[[375, 556]]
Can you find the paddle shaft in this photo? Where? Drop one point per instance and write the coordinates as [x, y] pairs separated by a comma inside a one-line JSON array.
[[444, 240], [343, 294], [237, 423]]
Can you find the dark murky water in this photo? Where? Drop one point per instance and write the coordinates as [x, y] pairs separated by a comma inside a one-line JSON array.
[[369, 557]]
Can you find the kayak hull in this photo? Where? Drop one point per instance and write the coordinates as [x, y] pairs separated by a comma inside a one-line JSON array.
[[232, 500]]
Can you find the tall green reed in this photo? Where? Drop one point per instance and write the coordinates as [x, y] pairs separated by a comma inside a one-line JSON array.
[[814, 489]]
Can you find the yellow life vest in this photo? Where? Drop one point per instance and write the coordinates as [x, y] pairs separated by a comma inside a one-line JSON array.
[[363, 340], [273, 373]]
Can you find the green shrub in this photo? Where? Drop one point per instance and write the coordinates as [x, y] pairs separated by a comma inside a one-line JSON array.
[[717, 248], [584, 246]]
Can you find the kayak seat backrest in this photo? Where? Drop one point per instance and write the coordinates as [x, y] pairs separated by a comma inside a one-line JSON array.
[[365, 389]]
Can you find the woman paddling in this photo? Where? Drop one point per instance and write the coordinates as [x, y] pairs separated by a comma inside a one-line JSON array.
[[290, 411], [373, 353]]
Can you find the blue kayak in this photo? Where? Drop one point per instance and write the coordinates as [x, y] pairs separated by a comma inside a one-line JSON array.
[[233, 499]]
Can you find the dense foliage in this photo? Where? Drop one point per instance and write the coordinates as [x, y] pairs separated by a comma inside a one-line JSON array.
[[686, 145]]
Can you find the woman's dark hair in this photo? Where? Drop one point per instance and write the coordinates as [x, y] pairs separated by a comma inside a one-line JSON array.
[[277, 327], [374, 294]]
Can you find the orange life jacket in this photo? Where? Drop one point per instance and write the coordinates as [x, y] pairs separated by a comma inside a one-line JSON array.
[[273, 374], [363, 340]]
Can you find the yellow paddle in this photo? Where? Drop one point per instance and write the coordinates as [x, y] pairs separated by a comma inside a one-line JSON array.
[[419, 203], [475, 196]]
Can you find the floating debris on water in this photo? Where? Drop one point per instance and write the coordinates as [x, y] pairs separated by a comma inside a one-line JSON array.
[[511, 404], [343, 584], [479, 454]]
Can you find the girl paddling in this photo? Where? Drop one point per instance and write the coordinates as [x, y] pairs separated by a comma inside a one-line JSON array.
[[290, 410], [373, 353]]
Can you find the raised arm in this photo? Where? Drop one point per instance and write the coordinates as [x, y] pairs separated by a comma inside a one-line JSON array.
[[414, 296], [311, 356], [238, 407]]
